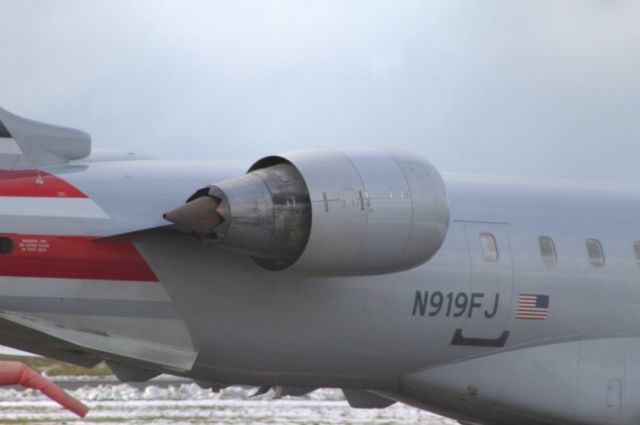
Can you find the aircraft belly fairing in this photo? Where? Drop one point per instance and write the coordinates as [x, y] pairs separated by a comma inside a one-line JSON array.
[[572, 382]]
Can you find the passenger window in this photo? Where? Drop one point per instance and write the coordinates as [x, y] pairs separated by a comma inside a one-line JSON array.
[[596, 253], [489, 247], [548, 250], [636, 248]]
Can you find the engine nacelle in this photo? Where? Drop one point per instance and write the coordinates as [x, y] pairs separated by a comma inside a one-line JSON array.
[[326, 212]]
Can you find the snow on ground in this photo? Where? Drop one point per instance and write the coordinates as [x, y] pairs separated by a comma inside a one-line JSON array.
[[189, 404]]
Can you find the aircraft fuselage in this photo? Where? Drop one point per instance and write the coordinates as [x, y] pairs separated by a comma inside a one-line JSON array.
[[561, 334]]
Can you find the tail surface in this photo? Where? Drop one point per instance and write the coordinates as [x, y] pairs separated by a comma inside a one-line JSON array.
[[29, 144]]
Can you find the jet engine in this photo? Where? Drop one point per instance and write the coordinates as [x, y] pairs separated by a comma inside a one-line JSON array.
[[326, 212]]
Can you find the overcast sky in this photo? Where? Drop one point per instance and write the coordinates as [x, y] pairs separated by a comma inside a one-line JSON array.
[[538, 88]]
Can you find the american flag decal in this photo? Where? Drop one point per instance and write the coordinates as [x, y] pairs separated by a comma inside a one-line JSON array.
[[532, 307]]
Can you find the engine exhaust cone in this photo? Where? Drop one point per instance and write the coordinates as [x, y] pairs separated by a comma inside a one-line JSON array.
[[198, 215]]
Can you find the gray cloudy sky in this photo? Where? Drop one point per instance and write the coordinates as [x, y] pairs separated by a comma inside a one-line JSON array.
[[542, 88]]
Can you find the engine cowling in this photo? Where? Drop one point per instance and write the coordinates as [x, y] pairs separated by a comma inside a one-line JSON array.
[[326, 212]]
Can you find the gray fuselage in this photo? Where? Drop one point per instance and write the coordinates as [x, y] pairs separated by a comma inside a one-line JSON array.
[[443, 336]]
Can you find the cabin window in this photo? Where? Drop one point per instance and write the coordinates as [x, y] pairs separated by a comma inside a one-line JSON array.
[[489, 246], [636, 248], [6, 245], [596, 253], [547, 250]]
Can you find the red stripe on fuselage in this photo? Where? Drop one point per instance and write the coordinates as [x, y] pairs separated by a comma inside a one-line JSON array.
[[74, 257], [33, 183]]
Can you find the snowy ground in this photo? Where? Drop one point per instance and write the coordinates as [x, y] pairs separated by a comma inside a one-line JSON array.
[[186, 403]]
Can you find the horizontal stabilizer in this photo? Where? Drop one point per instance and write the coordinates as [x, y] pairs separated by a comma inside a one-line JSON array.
[[29, 144]]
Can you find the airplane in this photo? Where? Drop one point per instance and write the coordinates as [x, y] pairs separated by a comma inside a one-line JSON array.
[[488, 300]]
